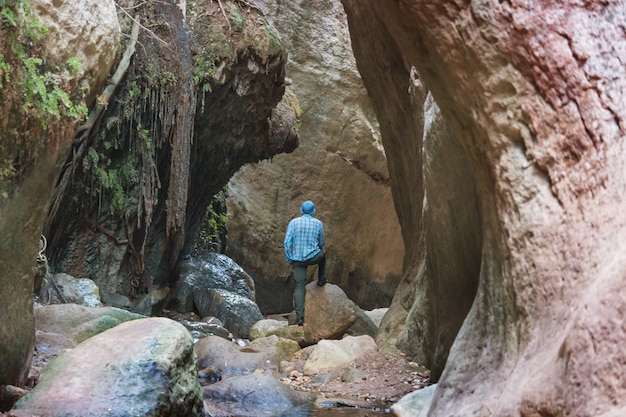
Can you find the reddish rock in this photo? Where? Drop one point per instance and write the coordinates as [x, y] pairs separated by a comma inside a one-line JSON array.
[[533, 93]]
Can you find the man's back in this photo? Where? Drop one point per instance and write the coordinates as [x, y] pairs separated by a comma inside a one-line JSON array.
[[304, 238]]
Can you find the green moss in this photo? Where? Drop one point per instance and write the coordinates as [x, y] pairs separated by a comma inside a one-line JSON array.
[[237, 19], [43, 95]]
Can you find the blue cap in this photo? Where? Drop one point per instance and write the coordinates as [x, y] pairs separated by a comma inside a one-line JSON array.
[[308, 207]]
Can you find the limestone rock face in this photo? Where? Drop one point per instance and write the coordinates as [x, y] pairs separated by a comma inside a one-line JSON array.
[[435, 198], [34, 143], [533, 94], [339, 164]]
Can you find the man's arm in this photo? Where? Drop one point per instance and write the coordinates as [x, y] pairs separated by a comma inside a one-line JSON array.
[[322, 238], [288, 243]]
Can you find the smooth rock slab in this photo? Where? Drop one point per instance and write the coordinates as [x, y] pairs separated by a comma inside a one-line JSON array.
[[144, 367]]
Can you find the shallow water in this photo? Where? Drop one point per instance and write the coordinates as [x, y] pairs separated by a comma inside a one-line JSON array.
[[321, 411], [315, 411]]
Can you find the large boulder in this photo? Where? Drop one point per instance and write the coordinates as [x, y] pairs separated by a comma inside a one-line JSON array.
[[215, 285], [328, 312], [340, 165], [236, 312], [533, 94], [144, 367], [36, 132], [77, 323]]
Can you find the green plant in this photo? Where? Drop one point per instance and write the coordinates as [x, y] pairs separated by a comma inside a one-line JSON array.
[[75, 65], [4, 71], [43, 95], [217, 217]]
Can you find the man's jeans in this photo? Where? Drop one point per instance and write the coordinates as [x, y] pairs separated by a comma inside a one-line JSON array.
[[299, 275]]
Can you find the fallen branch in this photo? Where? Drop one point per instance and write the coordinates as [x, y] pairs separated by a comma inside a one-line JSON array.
[[224, 14]]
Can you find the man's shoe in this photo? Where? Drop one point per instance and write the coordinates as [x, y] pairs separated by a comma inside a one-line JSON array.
[[300, 322], [321, 282]]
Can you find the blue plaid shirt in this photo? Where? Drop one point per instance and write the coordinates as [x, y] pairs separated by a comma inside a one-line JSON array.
[[304, 238]]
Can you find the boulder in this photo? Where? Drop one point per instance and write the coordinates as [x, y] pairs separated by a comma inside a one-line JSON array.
[[284, 348], [253, 395], [152, 303], [238, 313], [363, 325], [77, 323], [64, 288], [212, 271], [265, 327], [226, 358], [328, 312], [215, 285], [330, 354], [415, 404], [144, 367], [201, 329]]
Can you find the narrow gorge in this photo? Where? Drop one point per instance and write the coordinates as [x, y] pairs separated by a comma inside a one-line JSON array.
[[465, 157]]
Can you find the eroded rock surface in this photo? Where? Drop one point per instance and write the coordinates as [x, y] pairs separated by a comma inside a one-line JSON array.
[[34, 143], [532, 92], [340, 165]]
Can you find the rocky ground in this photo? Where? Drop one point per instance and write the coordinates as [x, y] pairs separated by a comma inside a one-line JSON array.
[[377, 378]]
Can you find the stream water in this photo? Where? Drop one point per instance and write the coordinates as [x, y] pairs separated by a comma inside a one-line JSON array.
[[316, 411]]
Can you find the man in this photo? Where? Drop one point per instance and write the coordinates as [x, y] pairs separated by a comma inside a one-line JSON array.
[[304, 246]]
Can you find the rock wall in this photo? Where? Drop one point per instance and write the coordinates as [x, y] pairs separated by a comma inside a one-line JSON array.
[[201, 97], [533, 93], [340, 165], [34, 142]]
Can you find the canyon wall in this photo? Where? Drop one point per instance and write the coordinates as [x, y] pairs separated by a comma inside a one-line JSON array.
[[533, 94], [340, 164]]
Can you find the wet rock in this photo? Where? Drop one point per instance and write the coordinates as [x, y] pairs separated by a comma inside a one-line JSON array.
[[229, 359], [252, 395], [143, 367], [200, 329], [152, 303], [215, 285], [213, 271], [238, 313]]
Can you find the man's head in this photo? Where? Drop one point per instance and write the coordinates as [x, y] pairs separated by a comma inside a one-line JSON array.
[[308, 207]]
